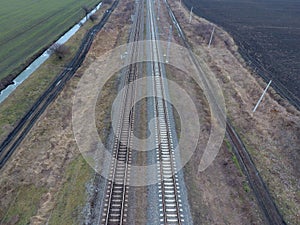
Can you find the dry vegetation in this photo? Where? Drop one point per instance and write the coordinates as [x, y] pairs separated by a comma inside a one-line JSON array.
[[271, 134], [30, 27], [45, 181], [220, 194], [35, 185]]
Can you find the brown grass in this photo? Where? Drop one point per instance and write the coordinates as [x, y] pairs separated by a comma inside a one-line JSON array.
[[47, 165], [220, 194], [20, 101], [272, 133]]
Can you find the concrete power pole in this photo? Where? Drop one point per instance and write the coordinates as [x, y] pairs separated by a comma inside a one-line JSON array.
[[169, 43], [158, 6], [261, 97], [211, 37], [191, 14]]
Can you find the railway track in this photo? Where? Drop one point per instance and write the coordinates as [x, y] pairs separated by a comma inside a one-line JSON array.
[[116, 199], [169, 190], [265, 201], [168, 185], [9, 145]]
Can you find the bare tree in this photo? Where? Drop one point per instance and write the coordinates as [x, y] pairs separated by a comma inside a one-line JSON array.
[[107, 1], [60, 50], [86, 10], [93, 17]]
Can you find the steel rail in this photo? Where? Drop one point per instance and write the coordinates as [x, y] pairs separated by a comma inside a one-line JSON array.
[[264, 198], [116, 201], [167, 164], [169, 190]]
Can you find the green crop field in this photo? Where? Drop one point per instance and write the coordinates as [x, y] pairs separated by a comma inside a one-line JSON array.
[[28, 26]]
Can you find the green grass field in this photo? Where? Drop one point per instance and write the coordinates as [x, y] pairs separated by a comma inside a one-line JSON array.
[[28, 26]]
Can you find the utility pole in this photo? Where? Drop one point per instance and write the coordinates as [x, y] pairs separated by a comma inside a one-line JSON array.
[[158, 6], [211, 37], [169, 43], [261, 97], [191, 14]]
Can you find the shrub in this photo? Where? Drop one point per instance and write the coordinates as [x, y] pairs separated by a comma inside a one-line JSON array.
[[107, 1], [60, 50], [93, 17]]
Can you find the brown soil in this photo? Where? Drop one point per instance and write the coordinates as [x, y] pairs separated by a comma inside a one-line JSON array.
[[271, 134], [220, 194], [41, 160]]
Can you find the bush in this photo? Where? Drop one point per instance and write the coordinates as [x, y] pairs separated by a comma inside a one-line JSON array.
[[93, 17], [60, 50], [85, 9], [107, 1]]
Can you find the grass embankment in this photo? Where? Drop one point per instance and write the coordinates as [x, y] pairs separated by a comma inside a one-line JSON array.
[[29, 197], [20, 101], [50, 149], [72, 196], [27, 27], [246, 187], [72, 193], [69, 199]]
